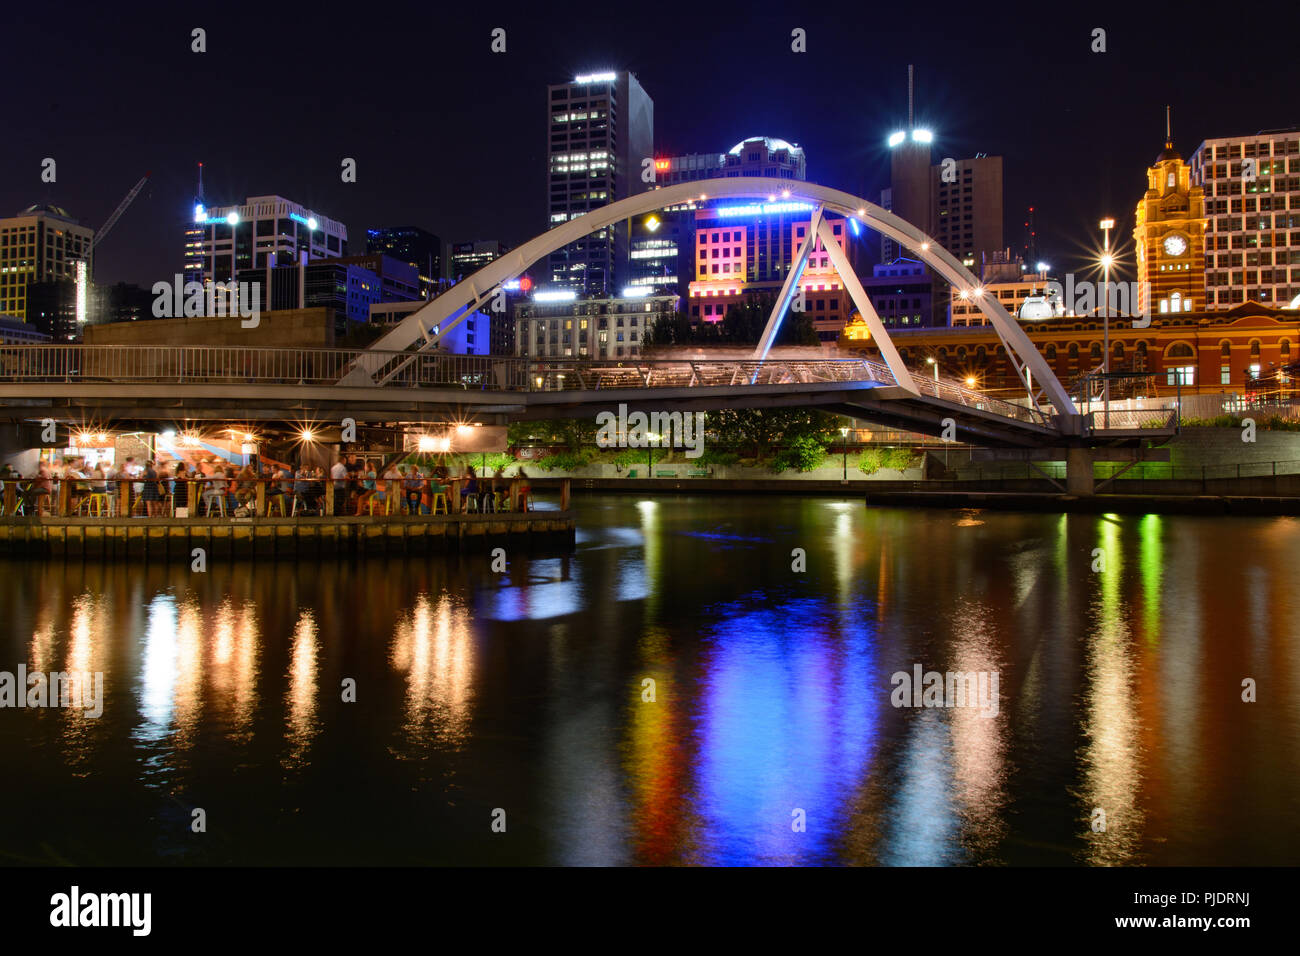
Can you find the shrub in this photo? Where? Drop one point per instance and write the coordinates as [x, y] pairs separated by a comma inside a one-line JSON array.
[[802, 452]]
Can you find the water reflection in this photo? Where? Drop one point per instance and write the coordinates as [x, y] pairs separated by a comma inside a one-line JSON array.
[[524, 689], [434, 648]]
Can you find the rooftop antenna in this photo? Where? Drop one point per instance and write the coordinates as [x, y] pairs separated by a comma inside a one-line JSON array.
[[1169, 126], [200, 196], [909, 96]]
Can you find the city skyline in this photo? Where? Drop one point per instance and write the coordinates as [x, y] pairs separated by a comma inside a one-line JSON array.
[[403, 178]]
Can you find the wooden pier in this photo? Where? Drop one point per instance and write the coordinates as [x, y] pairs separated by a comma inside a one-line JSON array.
[[158, 539]]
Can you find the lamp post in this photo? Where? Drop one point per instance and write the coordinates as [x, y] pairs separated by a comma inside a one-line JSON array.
[[844, 434], [930, 361], [1106, 259], [651, 438]]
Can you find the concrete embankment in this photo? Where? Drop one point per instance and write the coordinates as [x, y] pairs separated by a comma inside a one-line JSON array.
[[1038, 496]]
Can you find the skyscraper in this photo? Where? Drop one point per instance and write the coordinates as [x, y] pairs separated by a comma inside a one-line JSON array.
[[412, 244], [1252, 243], [601, 132], [40, 244], [263, 230]]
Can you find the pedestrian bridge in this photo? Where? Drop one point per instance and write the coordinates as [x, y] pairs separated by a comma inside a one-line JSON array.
[[120, 385]]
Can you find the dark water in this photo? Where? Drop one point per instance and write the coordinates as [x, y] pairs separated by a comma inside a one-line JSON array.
[[1119, 690]]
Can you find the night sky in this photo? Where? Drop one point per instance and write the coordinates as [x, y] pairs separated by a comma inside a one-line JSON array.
[[451, 137]]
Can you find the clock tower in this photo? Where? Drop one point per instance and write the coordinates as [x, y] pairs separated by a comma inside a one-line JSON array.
[[1170, 236]]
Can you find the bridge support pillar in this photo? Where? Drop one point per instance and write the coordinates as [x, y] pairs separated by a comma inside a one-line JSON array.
[[1078, 472]]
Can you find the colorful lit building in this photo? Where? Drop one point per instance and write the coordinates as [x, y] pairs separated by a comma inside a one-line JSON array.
[[748, 248]]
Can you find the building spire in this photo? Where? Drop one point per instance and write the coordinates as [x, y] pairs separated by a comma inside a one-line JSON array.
[[1169, 127], [200, 195], [910, 121]]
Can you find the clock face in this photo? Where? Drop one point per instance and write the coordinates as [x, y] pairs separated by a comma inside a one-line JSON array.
[[1175, 245]]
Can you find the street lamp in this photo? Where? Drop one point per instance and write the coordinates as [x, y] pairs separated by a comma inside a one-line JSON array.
[[844, 433], [650, 454], [930, 361], [1106, 259]]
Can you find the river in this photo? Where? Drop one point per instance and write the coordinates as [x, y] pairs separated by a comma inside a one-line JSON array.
[[704, 680]]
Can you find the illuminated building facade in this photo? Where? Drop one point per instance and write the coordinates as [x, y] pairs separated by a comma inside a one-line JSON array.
[[767, 157], [263, 230], [600, 129], [560, 326], [1199, 352], [747, 249], [1170, 238], [1251, 188], [468, 257], [411, 244], [41, 244]]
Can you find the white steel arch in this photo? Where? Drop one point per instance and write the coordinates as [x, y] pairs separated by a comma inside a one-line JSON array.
[[467, 295]]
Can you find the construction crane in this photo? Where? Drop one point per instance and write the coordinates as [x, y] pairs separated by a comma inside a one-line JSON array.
[[83, 265]]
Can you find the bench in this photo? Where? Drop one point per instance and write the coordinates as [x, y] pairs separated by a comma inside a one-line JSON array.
[[702, 473], [665, 474]]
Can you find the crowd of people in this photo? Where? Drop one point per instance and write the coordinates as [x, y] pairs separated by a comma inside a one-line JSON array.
[[154, 488]]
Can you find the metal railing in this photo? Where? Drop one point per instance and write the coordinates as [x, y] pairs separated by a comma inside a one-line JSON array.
[[238, 365], [1126, 419]]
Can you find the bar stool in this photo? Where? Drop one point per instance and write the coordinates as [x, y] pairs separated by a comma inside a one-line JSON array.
[[471, 503], [298, 500], [216, 497], [440, 498], [275, 502], [376, 500], [96, 503]]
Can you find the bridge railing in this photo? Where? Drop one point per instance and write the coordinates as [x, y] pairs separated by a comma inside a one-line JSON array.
[[239, 365], [197, 364], [571, 375], [326, 366], [952, 392], [1130, 418]]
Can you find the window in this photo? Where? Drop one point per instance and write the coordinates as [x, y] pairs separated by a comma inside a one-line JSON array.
[[1225, 374], [1182, 375], [1180, 350]]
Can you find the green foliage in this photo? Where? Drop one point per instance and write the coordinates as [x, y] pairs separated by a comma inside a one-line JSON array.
[[566, 460], [804, 452], [896, 459], [869, 461], [626, 457], [717, 456], [759, 431], [1272, 423]]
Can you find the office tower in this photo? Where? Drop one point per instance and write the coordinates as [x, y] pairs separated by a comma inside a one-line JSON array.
[[264, 229], [1251, 188], [41, 244], [468, 257], [412, 244], [600, 135]]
